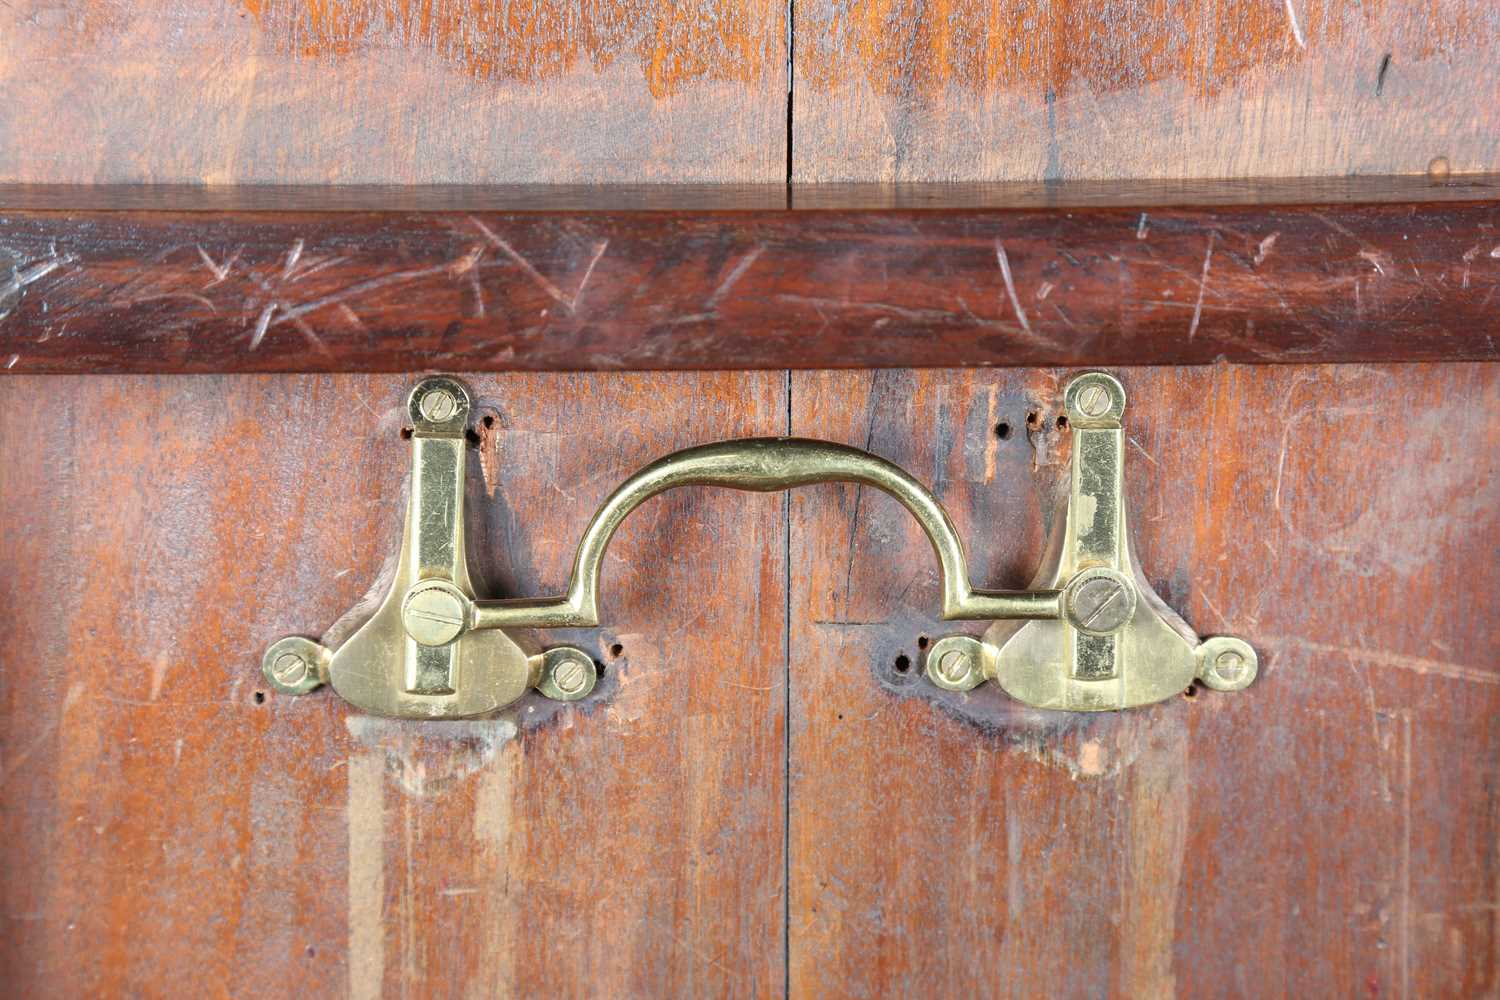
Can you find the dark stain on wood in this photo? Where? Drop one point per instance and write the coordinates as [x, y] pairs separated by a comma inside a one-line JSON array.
[[153, 291]]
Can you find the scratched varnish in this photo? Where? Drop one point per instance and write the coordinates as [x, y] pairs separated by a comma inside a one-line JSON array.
[[969, 90], [1330, 831], [762, 797]]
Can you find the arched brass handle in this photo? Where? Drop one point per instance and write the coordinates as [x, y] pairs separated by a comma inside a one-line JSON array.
[[1090, 635], [765, 465]]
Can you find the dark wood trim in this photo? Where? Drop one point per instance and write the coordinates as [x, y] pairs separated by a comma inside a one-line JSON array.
[[371, 279]]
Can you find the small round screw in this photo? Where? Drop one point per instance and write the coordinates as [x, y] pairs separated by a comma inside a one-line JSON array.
[[290, 669], [1229, 665], [439, 405], [295, 665], [435, 613], [570, 677], [568, 673], [955, 665], [1100, 601], [1094, 400]]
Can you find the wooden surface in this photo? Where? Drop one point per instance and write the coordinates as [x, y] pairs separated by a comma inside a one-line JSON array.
[[161, 290], [171, 827], [466, 91], [388, 91], [1329, 831], [969, 91]]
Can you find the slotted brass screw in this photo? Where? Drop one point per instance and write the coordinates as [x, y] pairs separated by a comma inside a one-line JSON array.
[[1093, 400], [290, 669], [439, 405]]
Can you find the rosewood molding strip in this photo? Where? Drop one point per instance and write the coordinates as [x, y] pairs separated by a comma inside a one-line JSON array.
[[145, 280]]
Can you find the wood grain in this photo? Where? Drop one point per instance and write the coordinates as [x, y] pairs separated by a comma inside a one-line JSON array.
[[1328, 832], [389, 91], [1054, 89], [217, 291], [172, 827]]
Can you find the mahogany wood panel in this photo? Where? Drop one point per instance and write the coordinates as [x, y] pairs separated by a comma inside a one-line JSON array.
[[346, 290], [392, 91], [1330, 831], [1053, 89], [171, 827]]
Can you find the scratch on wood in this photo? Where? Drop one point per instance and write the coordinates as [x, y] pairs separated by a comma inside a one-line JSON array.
[[1375, 260], [366, 884], [35, 272], [360, 288], [262, 324], [525, 265], [1208, 256], [588, 272], [1264, 248], [735, 274], [1159, 802], [1399, 661], [1144, 453], [1405, 938], [219, 271], [1291, 16], [1010, 286], [292, 256], [492, 834]]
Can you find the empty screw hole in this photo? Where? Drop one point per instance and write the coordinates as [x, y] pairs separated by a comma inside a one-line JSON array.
[[616, 650], [1192, 690], [1062, 421], [489, 420], [1002, 431], [903, 663], [1033, 419], [260, 697], [406, 433], [921, 642]]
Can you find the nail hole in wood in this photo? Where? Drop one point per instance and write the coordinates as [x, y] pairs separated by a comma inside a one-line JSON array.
[[1002, 431], [903, 663]]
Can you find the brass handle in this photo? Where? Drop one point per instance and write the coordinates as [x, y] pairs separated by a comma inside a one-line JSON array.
[[1090, 635], [765, 465]]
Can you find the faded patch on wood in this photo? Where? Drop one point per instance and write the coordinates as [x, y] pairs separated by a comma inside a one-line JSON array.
[[674, 45]]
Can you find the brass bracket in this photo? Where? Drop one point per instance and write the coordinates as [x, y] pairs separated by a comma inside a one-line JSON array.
[[1090, 635], [1117, 644]]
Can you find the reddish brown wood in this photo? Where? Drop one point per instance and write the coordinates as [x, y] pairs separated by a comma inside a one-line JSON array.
[[1329, 831], [304, 290], [392, 91], [1055, 89], [172, 828]]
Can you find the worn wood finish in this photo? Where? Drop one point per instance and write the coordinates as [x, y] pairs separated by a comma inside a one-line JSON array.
[[389, 91], [160, 290], [169, 831], [1330, 831], [1059, 89]]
